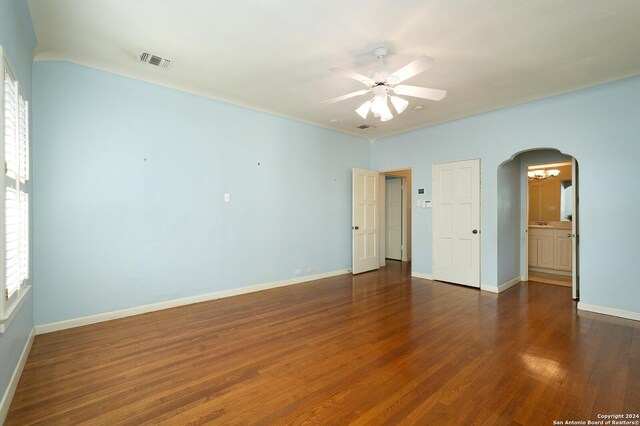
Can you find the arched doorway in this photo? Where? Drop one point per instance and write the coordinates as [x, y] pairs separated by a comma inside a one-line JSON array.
[[546, 245]]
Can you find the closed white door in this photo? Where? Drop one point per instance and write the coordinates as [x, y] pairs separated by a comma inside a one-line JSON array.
[[456, 222], [394, 218], [364, 226]]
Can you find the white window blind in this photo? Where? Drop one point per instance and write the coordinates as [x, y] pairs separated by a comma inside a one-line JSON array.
[[23, 139], [12, 240], [23, 208], [11, 123], [16, 207]]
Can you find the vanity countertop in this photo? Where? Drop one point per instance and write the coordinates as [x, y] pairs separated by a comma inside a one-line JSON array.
[[552, 225]]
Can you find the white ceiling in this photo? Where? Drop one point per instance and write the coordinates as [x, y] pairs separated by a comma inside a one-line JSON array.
[[275, 55]]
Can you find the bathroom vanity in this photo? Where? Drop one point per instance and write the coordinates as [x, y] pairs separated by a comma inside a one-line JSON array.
[[550, 247]]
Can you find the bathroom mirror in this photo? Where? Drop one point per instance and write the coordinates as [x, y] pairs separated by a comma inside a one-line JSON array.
[[551, 200], [566, 201]]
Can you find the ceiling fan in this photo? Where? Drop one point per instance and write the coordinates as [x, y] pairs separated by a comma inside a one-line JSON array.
[[383, 84]]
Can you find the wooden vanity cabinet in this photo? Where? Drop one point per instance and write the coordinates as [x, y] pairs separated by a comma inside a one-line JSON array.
[[550, 249]]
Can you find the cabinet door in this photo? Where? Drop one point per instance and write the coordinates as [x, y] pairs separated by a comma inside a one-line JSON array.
[[563, 260], [545, 252], [533, 250]]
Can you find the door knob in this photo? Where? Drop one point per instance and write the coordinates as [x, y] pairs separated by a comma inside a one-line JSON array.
[[568, 235], [355, 227], [475, 231]]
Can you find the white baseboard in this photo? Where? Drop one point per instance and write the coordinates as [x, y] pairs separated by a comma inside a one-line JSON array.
[[502, 287], [421, 275], [15, 378], [609, 311], [143, 309]]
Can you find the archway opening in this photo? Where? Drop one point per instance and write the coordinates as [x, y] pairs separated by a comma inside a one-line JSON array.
[[538, 219]]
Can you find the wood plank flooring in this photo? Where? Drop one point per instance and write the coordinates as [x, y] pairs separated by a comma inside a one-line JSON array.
[[378, 348]]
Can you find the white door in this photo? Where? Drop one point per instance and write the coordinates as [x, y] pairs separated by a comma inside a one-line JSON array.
[[456, 222], [575, 232], [364, 226], [394, 218]]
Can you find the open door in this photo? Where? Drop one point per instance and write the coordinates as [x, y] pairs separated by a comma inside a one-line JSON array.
[[364, 225], [575, 232], [456, 222]]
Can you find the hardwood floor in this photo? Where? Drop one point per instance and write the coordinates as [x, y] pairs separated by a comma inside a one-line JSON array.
[[380, 347]]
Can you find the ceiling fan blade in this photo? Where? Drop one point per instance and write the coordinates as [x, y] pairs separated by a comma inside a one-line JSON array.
[[420, 92], [354, 75], [413, 68], [347, 96]]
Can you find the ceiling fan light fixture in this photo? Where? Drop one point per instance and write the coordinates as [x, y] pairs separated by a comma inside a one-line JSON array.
[[363, 110], [399, 104], [385, 113], [378, 103], [383, 83]]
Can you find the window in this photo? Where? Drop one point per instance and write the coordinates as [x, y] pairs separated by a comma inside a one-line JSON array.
[[15, 202]]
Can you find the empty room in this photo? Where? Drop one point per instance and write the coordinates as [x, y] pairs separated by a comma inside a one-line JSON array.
[[320, 212]]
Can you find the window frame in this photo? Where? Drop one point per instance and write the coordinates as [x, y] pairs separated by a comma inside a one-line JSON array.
[[10, 306]]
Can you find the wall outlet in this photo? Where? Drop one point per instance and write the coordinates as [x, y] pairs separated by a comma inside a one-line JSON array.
[[298, 271], [227, 198], [311, 269]]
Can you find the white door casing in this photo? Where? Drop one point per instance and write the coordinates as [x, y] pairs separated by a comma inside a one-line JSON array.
[[456, 222], [393, 216], [575, 232], [364, 225]]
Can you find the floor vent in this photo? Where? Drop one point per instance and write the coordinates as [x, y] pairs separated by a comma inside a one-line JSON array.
[[154, 60]]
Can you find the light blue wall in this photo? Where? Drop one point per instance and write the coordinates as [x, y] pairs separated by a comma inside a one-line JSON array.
[[509, 207], [129, 180], [18, 41], [599, 126]]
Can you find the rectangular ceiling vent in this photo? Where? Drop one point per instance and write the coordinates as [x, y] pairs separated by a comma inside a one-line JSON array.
[[154, 60]]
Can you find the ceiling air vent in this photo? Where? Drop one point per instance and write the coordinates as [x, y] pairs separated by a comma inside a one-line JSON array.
[[364, 127], [155, 60]]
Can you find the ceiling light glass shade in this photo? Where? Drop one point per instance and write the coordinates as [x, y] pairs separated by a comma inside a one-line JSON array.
[[363, 110], [399, 104], [378, 103], [542, 174], [385, 114]]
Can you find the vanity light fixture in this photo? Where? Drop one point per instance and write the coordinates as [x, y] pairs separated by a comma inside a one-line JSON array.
[[542, 174]]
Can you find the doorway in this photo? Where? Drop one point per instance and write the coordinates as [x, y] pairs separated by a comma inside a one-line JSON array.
[[395, 215], [394, 208], [550, 213], [538, 221]]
